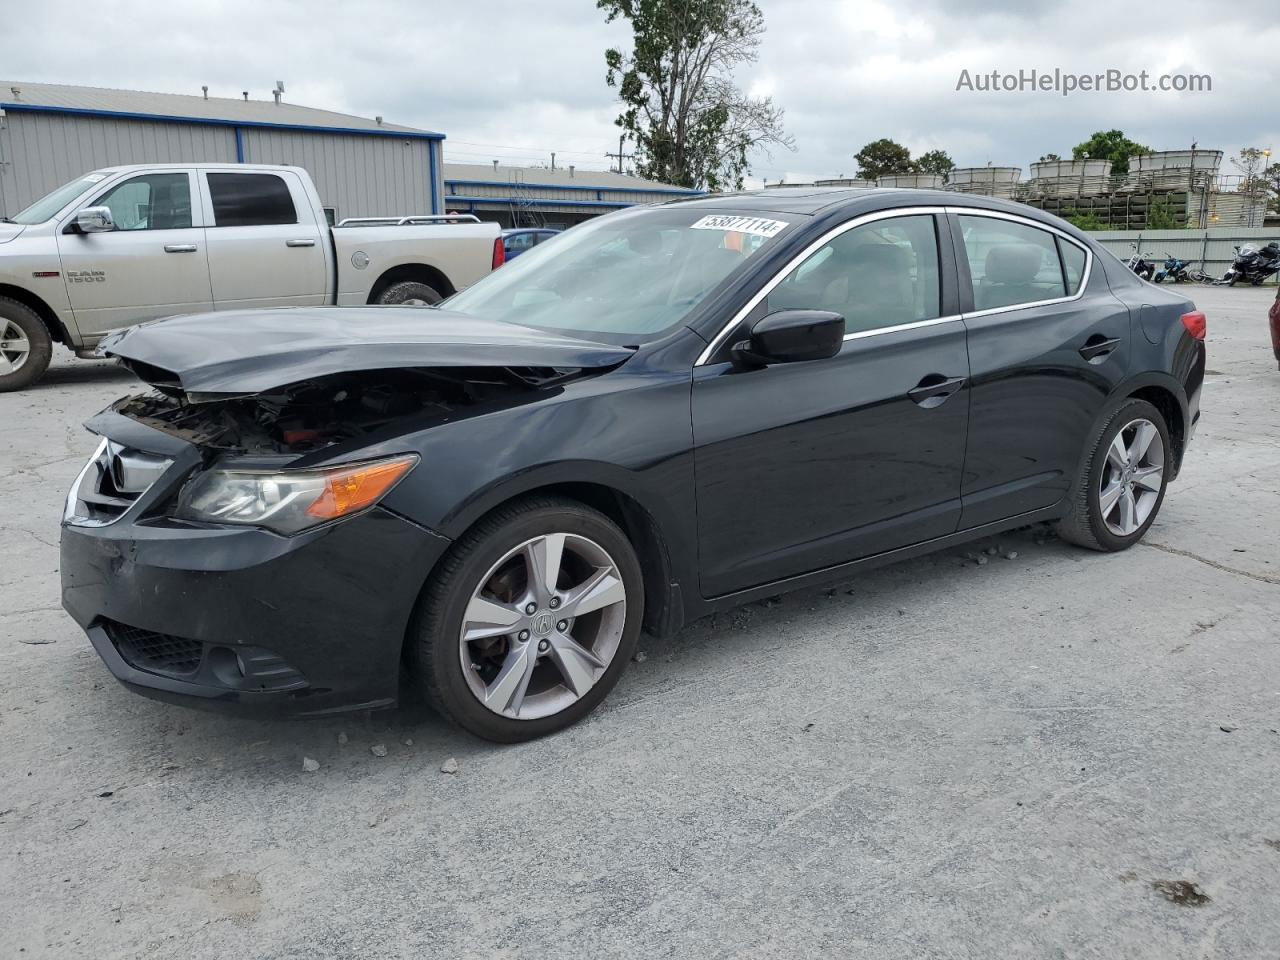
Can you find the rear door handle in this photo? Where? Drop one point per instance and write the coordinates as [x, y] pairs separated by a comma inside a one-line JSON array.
[[179, 248], [300, 243], [934, 390], [1098, 346]]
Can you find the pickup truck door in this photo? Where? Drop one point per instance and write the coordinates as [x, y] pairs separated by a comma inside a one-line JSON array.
[[266, 246], [152, 264]]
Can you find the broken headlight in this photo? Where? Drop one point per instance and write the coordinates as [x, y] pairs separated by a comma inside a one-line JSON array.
[[290, 501]]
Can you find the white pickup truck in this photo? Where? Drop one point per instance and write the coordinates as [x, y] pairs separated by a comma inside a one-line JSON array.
[[126, 244]]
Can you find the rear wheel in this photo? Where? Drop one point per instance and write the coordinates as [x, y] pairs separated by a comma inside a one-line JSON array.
[[25, 346], [1123, 481], [409, 293], [529, 621]]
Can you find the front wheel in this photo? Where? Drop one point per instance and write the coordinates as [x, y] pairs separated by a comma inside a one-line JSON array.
[[1122, 483], [25, 346], [529, 621]]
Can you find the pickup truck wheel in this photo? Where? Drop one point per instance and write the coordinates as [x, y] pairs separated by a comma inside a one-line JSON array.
[[409, 293], [25, 346]]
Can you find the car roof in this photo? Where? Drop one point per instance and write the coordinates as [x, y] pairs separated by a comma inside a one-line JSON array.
[[850, 201]]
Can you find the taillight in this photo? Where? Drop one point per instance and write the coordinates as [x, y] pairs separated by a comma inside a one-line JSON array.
[[1195, 323], [499, 254]]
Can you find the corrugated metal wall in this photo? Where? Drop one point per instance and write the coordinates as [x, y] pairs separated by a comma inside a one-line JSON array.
[[41, 151], [360, 176], [1210, 249]]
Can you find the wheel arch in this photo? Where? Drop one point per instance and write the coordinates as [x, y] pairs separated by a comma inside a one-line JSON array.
[[420, 272], [664, 612], [47, 315]]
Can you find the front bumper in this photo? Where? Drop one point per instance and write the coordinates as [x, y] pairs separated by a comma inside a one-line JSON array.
[[243, 619]]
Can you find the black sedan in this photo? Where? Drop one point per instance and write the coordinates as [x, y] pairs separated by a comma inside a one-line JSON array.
[[670, 411]]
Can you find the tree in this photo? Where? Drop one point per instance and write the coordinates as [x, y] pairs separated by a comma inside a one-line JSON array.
[[1110, 145], [691, 125], [1049, 157], [881, 158], [934, 161], [1252, 164], [1272, 176]]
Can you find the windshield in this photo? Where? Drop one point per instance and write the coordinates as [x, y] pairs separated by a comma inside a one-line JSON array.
[[51, 203], [628, 277]]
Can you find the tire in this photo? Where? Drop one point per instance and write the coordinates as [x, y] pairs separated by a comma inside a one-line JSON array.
[[508, 641], [410, 292], [28, 346], [1092, 523]]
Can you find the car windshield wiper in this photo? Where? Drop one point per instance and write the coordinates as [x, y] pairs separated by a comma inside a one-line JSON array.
[[5, 220]]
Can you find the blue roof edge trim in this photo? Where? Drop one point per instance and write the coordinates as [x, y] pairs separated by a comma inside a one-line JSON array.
[[541, 201], [217, 122], [665, 191]]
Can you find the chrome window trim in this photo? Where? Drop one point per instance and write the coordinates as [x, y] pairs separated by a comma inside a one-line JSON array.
[[710, 349], [1028, 222], [705, 356]]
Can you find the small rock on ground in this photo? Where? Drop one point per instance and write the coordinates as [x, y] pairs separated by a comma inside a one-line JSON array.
[[449, 766], [310, 765], [378, 749], [342, 737]]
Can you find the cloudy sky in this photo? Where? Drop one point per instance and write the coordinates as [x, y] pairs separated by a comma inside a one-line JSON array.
[[516, 80]]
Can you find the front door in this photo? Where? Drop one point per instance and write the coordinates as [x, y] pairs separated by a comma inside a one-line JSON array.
[[807, 465], [153, 264]]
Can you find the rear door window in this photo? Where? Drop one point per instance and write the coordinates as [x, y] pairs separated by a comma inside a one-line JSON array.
[[1011, 263], [1073, 261], [250, 200]]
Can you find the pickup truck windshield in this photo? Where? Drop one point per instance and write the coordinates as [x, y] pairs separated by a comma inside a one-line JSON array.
[[629, 277], [51, 203]]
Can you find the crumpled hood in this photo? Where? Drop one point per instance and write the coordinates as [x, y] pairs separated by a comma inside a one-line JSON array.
[[10, 231], [243, 352]]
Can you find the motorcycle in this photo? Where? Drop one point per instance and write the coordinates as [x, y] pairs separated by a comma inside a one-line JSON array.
[[1175, 270], [1140, 265], [1252, 265]]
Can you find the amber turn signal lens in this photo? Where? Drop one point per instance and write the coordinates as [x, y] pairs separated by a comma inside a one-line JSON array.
[[349, 489]]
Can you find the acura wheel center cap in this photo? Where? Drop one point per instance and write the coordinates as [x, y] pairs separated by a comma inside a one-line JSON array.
[[541, 624]]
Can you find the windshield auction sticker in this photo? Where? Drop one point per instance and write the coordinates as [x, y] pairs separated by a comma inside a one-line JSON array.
[[755, 226]]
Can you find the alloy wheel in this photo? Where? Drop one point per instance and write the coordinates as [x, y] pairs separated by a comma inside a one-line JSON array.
[[543, 626], [1132, 478], [14, 347]]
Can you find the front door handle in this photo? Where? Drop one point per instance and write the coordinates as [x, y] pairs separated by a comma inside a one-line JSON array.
[[934, 390], [179, 248], [1098, 346], [300, 243]]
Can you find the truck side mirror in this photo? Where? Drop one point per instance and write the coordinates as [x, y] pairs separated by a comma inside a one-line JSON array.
[[93, 220]]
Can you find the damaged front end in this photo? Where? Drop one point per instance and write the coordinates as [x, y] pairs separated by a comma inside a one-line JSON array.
[[222, 545], [314, 414], [294, 381]]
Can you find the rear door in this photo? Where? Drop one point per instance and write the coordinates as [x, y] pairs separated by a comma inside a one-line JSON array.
[[802, 466], [153, 264], [266, 248], [1047, 343]]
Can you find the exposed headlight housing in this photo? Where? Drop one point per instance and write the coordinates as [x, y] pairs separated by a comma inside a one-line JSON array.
[[290, 501]]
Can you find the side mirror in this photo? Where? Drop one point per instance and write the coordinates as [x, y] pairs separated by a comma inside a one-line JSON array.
[[94, 220], [790, 336]]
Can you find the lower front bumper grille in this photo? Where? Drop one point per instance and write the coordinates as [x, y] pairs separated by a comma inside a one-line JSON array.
[[159, 653]]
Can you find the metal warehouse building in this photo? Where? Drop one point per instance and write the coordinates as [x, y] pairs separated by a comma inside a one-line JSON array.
[[539, 197], [50, 134]]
